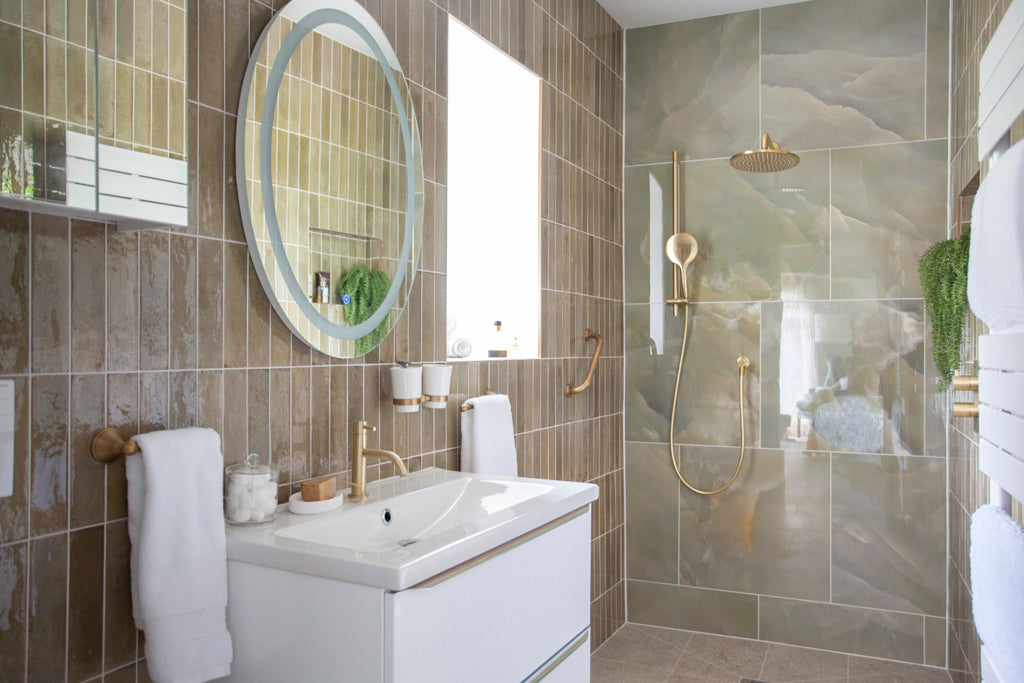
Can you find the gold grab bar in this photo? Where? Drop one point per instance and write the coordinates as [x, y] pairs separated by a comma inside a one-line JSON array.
[[588, 335], [108, 445], [466, 406]]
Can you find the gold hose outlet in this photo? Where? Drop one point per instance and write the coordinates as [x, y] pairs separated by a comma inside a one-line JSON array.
[[742, 363]]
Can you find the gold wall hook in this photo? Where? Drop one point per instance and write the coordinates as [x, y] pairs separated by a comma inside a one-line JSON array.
[[108, 445], [588, 335]]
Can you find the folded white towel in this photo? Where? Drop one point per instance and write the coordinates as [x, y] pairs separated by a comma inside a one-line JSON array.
[[179, 556], [488, 437], [997, 586], [995, 276]]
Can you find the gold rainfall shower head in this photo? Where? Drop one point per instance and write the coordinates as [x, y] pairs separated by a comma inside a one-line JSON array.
[[768, 159]]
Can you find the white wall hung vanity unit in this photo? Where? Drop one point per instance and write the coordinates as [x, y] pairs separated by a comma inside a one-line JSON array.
[[437, 576]]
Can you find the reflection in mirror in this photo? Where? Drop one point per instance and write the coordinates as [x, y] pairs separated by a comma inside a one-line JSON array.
[[331, 175], [493, 201]]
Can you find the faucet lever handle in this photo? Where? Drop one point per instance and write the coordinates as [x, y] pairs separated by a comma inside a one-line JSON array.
[[369, 427]]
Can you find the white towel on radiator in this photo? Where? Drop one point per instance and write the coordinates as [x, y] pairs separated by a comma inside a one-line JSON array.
[[997, 586], [179, 555], [995, 275], [488, 437]]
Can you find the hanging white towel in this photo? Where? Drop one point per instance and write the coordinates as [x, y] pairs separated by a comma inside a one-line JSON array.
[[488, 437], [178, 556], [997, 586], [995, 274]]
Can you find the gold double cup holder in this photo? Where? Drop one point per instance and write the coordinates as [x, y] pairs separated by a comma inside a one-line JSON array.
[[966, 408]]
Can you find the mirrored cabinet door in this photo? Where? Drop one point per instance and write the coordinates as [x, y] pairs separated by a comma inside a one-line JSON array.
[[92, 109]]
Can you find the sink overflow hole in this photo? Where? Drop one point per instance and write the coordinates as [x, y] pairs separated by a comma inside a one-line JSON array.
[[386, 516], [408, 541]]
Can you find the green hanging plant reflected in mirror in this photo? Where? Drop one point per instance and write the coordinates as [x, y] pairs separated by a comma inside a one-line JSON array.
[[943, 271], [365, 290]]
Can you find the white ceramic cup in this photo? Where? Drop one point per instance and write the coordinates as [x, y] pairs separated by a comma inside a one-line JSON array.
[[437, 382], [406, 385]]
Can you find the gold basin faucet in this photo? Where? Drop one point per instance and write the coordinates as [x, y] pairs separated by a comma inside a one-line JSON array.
[[359, 455]]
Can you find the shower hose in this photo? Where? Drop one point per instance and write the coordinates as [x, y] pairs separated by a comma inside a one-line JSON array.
[[742, 362]]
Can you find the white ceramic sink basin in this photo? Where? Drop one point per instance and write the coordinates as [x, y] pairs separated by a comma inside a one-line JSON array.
[[410, 529]]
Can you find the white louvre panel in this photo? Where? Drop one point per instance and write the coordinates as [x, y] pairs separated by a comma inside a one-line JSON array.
[[1001, 421], [143, 186], [1001, 80], [133, 185], [81, 170]]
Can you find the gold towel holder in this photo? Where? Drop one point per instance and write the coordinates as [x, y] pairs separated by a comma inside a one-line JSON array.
[[108, 445], [588, 335], [968, 409], [467, 406]]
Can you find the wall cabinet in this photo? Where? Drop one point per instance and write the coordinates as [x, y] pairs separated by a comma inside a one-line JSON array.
[[523, 614], [93, 109]]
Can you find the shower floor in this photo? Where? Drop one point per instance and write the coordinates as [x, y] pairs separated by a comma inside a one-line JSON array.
[[647, 654]]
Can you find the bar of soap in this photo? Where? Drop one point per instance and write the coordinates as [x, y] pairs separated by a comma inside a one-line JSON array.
[[321, 488]]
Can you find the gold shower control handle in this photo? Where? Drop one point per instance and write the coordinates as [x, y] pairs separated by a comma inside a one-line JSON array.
[[743, 363]]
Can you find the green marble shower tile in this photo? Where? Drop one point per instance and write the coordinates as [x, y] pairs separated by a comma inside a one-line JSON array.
[[693, 609], [837, 74], [708, 403], [937, 83], [761, 235], [652, 520], [692, 87], [768, 533], [888, 207], [876, 633], [843, 376], [889, 532]]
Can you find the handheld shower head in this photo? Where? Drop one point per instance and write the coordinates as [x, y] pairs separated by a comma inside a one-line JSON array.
[[681, 250]]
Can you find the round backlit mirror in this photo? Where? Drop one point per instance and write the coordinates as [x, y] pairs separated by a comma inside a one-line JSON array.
[[330, 175]]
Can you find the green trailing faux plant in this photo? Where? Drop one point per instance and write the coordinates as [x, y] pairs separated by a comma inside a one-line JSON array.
[[943, 271], [366, 290]]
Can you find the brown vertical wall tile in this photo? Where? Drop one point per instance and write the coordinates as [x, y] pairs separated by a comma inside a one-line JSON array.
[[258, 411], [14, 569], [320, 421], [47, 624], [123, 414], [210, 53], [210, 195], [88, 300], [211, 304], [51, 333], [122, 301], [14, 277], [184, 302], [119, 634], [183, 402], [50, 418], [236, 269], [87, 477], [85, 604], [233, 435], [154, 299]]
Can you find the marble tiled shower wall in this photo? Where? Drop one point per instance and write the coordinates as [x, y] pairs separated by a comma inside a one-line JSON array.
[[171, 328], [834, 534], [973, 23]]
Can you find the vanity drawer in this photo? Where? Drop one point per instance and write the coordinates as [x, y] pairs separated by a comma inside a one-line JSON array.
[[499, 620]]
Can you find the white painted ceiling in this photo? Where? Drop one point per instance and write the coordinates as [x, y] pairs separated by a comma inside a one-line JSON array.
[[634, 13]]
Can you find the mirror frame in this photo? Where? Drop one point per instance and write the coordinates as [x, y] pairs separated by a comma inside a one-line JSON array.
[[353, 17]]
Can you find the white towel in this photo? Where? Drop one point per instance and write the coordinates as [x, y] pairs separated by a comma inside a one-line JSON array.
[[179, 555], [488, 437], [995, 276], [997, 585]]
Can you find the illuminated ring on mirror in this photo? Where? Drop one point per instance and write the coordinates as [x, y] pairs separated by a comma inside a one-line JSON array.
[[289, 45]]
